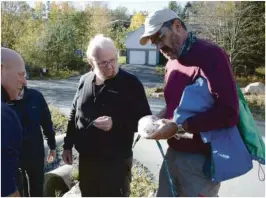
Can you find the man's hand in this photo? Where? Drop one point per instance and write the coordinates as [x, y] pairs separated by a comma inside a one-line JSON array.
[[15, 194], [51, 156], [67, 156], [166, 130], [104, 123]]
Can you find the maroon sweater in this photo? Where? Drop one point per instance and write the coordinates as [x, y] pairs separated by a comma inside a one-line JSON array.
[[211, 62]]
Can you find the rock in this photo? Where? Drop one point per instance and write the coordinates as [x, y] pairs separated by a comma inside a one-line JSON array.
[[58, 181], [73, 192], [255, 88]]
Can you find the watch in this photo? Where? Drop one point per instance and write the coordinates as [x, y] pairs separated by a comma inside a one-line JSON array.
[[180, 129]]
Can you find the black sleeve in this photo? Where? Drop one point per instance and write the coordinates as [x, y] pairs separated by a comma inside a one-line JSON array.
[[71, 127], [47, 125]]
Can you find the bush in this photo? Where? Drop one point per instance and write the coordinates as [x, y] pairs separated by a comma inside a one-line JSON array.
[[160, 70], [59, 120], [122, 60]]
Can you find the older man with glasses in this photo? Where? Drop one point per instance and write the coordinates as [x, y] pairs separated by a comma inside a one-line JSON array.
[[188, 59], [107, 106]]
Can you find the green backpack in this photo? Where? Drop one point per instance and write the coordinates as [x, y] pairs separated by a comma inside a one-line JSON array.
[[249, 131]]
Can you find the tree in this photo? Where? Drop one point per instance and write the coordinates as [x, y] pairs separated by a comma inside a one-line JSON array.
[[14, 19], [40, 10], [238, 27], [118, 34], [176, 7], [99, 17], [136, 21], [55, 12], [120, 13], [251, 38]]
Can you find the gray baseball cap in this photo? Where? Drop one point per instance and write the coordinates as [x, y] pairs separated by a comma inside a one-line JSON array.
[[154, 22]]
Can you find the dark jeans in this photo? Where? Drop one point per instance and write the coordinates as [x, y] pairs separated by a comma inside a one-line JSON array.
[[104, 177], [31, 178]]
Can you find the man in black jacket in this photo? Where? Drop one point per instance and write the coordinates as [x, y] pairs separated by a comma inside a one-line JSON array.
[[107, 106], [34, 115], [12, 81]]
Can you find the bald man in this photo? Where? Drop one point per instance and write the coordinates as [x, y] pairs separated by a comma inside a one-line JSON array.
[[12, 82]]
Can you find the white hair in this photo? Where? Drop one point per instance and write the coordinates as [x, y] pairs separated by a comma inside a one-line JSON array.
[[97, 43]]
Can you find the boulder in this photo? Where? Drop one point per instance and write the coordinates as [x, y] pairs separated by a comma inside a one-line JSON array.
[[255, 88]]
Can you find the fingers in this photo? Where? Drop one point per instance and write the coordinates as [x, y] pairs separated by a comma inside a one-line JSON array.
[[67, 157], [50, 159], [104, 122]]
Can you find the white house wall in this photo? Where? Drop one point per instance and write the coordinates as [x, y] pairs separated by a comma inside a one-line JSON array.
[[138, 54], [132, 41]]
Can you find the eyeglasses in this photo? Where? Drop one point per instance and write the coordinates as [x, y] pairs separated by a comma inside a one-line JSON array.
[[158, 37], [105, 64]]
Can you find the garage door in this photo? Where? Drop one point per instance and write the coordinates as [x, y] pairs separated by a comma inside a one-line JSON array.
[[152, 58], [137, 57]]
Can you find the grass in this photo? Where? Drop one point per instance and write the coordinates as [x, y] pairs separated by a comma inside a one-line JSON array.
[[59, 120], [141, 184], [150, 91], [246, 80], [122, 60]]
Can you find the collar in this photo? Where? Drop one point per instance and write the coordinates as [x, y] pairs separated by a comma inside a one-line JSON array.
[[190, 40], [108, 81], [4, 95]]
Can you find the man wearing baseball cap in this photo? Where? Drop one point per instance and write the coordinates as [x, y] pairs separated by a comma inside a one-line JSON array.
[[189, 58]]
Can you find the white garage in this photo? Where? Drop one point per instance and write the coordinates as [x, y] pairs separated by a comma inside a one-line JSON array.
[[138, 54], [137, 57]]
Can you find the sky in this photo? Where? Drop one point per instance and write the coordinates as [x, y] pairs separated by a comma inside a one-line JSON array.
[[130, 5]]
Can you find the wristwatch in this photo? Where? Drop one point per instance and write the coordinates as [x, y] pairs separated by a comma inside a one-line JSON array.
[[180, 129]]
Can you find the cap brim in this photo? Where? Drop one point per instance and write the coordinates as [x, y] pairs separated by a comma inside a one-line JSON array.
[[149, 31]]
